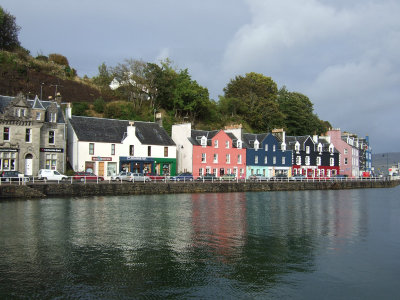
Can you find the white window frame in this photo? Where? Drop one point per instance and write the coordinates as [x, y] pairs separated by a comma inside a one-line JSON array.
[[256, 159], [228, 158], [203, 157], [215, 158], [239, 160]]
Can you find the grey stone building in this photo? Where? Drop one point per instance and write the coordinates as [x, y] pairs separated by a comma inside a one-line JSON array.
[[32, 135]]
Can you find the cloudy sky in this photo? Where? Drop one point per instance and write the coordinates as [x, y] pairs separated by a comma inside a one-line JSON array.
[[342, 54]]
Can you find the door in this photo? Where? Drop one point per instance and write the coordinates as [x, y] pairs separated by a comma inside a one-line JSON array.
[[101, 169], [28, 164]]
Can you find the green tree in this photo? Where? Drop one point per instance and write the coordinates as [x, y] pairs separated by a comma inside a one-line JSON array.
[[258, 95], [80, 108], [99, 105], [299, 114], [8, 31]]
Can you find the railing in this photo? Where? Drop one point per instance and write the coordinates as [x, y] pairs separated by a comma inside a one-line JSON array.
[[174, 179]]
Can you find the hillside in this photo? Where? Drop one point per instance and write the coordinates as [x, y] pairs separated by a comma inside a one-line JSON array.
[[19, 72]]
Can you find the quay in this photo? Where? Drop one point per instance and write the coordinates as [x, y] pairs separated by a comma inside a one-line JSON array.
[[65, 189]]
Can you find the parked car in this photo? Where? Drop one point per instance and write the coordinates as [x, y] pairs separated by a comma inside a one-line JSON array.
[[207, 177], [258, 177], [155, 177], [228, 177], [139, 177], [182, 177], [280, 177], [123, 175], [298, 177], [48, 174], [82, 176], [13, 176]]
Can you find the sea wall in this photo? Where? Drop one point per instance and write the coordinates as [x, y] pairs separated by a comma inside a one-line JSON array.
[[42, 190]]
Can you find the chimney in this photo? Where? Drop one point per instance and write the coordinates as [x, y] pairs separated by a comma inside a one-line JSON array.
[[159, 119], [315, 138], [58, 98], [68, 111]]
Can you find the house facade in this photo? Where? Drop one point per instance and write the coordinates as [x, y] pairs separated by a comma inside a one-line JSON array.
[[349, 153], [33, 135], [313, 156], [267, 154], [213, 152], [107, 146]]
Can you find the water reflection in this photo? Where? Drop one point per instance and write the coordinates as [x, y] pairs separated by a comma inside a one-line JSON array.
[[200, 245]]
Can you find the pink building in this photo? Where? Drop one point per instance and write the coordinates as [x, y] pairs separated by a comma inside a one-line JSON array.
[[213, 152], [348, 149]]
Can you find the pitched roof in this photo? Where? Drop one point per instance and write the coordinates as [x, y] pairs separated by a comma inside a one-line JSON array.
[[35, 103], [249, 138], [103, 130], [196, 136]]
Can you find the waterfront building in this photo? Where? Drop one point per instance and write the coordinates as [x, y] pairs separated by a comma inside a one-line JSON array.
[[348, 147], [108, 146], [208, 152], [267, 154], [33, 135], [313, 156], [365, 157]]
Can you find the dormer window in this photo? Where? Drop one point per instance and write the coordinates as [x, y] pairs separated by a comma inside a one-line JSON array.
[[308, 149], [239, 144], [331, 148], [256, 145], [53, 117], [38, 116], [216, 144], [297, 147], [319, 148], [203, 141], [283, 147]]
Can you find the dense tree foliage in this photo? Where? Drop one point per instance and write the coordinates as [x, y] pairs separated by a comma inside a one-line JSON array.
[[8, 31], [258, 96]]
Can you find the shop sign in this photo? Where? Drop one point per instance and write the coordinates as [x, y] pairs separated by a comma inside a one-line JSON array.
[[8, 150], [135, 158], [57, 150], [99, 158]]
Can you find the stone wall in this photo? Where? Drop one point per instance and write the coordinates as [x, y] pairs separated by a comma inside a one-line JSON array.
[[41, 190]]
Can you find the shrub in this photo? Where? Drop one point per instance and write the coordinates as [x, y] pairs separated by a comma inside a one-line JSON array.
[[80, 108], [99, 105], [59, 59]]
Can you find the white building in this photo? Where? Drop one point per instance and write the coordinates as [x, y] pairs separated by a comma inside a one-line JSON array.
[[107, 146]]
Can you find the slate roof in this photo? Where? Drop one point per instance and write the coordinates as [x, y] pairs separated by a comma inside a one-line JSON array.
[[102, 130], [34, 103], [291, 141], [249, 139], [196, 136]]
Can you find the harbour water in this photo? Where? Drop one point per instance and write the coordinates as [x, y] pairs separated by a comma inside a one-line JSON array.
[[342, 244]]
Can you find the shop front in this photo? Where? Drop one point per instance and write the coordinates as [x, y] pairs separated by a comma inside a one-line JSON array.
[[165, 166], [136, 164]]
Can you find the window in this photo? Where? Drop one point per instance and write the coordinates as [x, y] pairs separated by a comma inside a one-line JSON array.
[[38, 116], [7, 161], [265, 160], [297, 147], [53, 117], [308, 149], [239, 144], [148, 150], [215, 172], [227, 144], [28, 133], [274, 148], [345, 160], [345, 151], [332, 162], [132, 150], [51, 137], [165, 151], [283, 147], [283, 160], [6, 134], [239, 159], [91, 148], [203, 158], [256, 145], [256, 159], [318, 161], [216, 144], [266, 147], [298, 160], [307, 160], [215, 158], [51, 161], [274, 160], [112, 149], [228, 158], [201, 172]]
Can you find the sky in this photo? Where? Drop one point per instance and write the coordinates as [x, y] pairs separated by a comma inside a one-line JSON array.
[[342, 54]]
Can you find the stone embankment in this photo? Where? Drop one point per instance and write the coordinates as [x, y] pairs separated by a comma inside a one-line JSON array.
[[42, 190]]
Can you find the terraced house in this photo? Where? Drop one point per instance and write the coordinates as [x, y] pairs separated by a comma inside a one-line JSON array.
[[33, 135], [209, 152], [107, 146]]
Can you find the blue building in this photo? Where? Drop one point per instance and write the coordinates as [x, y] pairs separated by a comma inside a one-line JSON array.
[[267, 154]]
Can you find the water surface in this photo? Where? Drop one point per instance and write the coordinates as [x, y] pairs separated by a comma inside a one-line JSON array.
[[303, 245]]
